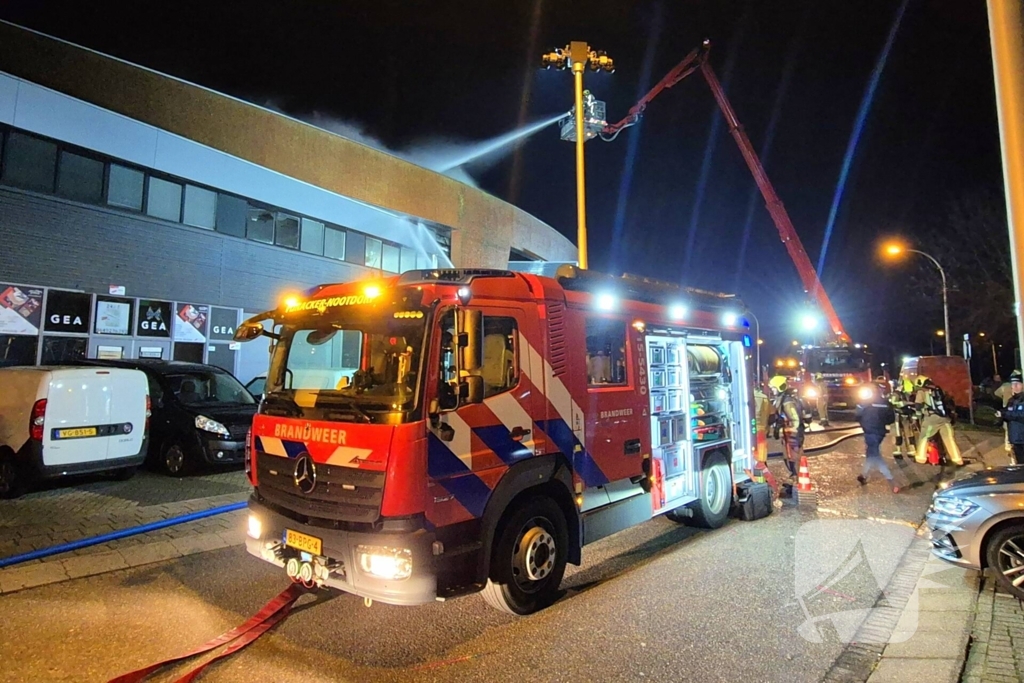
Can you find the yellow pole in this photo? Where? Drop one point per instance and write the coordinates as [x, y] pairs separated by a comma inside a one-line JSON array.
[[1006, 30], [581, 192]]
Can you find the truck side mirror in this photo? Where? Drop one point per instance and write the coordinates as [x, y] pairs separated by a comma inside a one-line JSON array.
[[470, 330], [248, 331]]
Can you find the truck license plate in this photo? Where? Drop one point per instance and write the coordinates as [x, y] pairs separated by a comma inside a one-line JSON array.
[[76, 433], [299, 541]]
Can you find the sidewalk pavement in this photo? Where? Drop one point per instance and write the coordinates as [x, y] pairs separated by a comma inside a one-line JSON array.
[[950, 625], [53, 517], [996, 653]]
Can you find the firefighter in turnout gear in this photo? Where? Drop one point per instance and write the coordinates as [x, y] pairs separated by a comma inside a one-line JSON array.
[[905, 427], [1013, 416], [932, 408], [790, 421]]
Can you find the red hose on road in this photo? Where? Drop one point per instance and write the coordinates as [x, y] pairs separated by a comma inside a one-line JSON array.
[[271, 613]]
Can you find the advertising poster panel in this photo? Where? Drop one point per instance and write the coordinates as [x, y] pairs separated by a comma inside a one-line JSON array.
[[20, 309], [190, 323]]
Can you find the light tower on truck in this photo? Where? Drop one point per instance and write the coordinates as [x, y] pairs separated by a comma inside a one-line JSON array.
[[588, 115]]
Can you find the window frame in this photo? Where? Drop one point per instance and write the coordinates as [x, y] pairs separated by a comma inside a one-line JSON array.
[[627, 356], [517, 376], [108, 165], [150, 177]]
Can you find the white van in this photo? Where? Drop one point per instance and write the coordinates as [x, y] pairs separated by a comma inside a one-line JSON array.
[[70, 420]]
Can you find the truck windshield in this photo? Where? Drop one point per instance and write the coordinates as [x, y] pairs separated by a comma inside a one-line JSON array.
[[357, 371], [837, 360]]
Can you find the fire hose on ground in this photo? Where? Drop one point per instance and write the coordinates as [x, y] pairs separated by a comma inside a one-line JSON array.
[[237, 638], [115, 535]]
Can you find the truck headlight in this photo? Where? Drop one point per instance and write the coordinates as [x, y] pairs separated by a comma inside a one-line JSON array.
[[865, 393], [207, 425], [954, 507], [385, 563], [255, 529], [810, 393]]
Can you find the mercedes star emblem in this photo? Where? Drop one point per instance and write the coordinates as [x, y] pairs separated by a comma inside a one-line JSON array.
[[305, 473]]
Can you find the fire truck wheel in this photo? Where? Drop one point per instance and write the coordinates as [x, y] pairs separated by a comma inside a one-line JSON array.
[[712, 510], [529, 557]]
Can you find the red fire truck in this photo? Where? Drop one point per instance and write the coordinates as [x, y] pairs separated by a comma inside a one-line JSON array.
[[453, 431]]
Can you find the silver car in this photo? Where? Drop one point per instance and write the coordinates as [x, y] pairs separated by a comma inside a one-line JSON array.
[[977, 521]]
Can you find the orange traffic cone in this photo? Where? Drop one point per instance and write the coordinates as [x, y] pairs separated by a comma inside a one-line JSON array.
[[803, 480]]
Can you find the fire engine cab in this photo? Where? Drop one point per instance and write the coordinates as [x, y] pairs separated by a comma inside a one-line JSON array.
[[454, 431]]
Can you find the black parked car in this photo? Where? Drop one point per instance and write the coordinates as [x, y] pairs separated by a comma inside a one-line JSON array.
[[201, 414]]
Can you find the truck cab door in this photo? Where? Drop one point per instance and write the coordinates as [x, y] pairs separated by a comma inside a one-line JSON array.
[[471, 445]]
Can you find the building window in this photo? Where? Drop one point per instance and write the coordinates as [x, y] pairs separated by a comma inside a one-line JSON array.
[[260, 226], [124, 187], [200, 207], [334, 243], [287, 234], [17, 350], [312, 241], [443, 237], [499, 368], [355, 248], [232, 214], [373, 252], [516, 255], [606, 352], [408, 259], [29, 163], [426, 261], [164, 199], [80, 178], [391, 258]]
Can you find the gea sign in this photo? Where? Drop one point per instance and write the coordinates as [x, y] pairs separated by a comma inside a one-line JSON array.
[[223, 322], [67, 311], [154, 318]]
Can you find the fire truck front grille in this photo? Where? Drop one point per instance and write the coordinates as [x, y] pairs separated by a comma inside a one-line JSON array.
[[341, 494]]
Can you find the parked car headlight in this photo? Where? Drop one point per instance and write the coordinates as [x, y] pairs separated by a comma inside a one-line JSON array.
[[954, 507], [208, 425]]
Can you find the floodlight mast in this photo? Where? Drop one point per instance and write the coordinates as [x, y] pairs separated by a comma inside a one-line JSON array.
[[698, 60]]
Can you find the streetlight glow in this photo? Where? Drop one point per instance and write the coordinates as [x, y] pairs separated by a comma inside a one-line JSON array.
[[896, 249]]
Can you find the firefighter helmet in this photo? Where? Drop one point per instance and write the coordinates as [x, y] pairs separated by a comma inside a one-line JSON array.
[[778, 383], [921, 380]]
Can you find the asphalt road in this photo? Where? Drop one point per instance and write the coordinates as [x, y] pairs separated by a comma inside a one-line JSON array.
[[658, 602]]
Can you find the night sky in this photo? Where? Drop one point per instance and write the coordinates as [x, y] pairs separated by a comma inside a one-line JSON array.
[[403, 71]]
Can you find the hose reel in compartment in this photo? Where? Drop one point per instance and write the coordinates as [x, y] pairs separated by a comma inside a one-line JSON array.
[[709, 392]]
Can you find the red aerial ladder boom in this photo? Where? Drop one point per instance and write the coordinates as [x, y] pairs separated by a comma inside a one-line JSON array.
[[698, 60]]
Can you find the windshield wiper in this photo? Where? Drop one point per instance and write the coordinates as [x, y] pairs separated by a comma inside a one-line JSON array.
[[351, 404]]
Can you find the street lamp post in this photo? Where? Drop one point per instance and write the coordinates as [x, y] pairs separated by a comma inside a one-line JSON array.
[[896, 250], [579, 56]]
